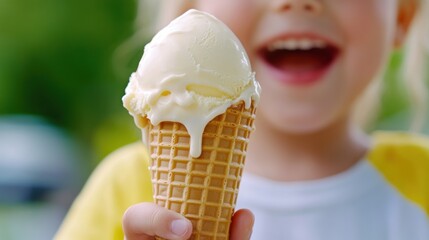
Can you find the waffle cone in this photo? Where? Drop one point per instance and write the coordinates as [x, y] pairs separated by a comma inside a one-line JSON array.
[[202, 189]]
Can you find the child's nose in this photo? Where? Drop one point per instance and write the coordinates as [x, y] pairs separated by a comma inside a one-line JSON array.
[[310, 6]]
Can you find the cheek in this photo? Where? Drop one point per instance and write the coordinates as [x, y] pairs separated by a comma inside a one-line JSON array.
[[368, 39], [367, 25]]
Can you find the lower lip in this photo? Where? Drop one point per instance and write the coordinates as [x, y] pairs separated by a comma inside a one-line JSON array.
[[294, 78]]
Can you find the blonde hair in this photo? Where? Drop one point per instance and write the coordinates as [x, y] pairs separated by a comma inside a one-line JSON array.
[[152, 15], [147, 11], [415, 60], [413, 72]]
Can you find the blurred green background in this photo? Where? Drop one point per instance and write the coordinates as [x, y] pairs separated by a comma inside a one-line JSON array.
[[59, 60], [59, 64], [56, 61]]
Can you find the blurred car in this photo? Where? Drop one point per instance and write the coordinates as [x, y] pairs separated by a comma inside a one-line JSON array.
[[39, 176]]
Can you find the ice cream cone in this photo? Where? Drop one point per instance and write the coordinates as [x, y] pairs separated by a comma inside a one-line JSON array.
[[189, 96], [202, 189]]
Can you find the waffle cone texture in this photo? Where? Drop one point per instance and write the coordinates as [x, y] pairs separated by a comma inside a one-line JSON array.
[[202, 189]]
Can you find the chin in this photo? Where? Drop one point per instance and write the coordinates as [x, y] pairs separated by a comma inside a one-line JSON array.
[[294, 124], [301, 128]]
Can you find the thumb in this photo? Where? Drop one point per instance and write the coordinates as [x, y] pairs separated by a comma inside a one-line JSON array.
[[242, 225], [143, 221]]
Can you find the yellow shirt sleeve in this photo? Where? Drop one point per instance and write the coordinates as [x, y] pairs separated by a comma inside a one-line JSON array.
[[121, 180], [403, 160]]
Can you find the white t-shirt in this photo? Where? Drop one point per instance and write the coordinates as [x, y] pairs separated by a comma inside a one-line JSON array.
[[355, 205]]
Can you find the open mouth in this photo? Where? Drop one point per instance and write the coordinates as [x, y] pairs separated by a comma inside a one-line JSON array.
[[299, 61]]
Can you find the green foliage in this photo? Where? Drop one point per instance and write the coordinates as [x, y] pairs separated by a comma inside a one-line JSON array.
[[394, 99], [56, 60], [396, 109]]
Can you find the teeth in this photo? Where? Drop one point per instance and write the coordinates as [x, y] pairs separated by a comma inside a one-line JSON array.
[[297, 44]]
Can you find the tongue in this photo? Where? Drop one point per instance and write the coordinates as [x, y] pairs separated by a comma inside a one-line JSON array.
[[300, 61]]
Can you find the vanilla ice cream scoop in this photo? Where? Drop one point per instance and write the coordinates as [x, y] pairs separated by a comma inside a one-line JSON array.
[[191, 71]]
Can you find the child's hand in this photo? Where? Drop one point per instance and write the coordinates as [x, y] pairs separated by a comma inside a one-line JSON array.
[[145, 220]]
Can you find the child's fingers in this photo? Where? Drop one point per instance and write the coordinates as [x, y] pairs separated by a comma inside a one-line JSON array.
[[145, 220], [242, 225]]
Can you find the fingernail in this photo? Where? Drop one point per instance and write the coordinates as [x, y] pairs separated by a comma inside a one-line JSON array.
[[250, 235], [179, 227]]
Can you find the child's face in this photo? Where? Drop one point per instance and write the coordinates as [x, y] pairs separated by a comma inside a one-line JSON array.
[[313, 58]]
